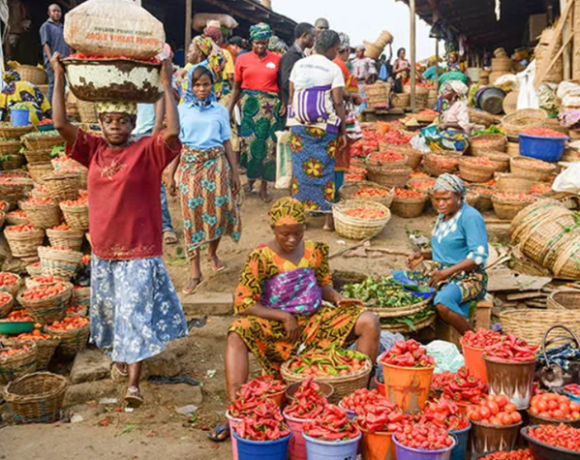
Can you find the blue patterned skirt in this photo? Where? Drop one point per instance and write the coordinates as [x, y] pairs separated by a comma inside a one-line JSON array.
[[134, 308]]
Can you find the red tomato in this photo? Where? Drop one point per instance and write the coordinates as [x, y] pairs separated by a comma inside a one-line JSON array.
[[510, 408], [493, 407], [516, 417], [501, 401]]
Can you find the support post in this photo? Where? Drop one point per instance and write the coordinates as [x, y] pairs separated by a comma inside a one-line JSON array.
[[437, 64], [188, 18], [413, 54], [567, 52]]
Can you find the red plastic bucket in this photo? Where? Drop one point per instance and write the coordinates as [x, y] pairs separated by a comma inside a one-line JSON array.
[[297, 445], [407, 387], [474, 362], [380, 386], [378, 446], [233, 423]]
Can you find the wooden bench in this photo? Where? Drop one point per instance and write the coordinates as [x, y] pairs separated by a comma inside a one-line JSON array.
[[480, 319]]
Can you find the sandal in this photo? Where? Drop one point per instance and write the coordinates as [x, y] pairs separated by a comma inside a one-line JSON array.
[[200, 281], [169, 237], [118, 374], [134, 398], [266, 197], [215, 267], [219, 430]]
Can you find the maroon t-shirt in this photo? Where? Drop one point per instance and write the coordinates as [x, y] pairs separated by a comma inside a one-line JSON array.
[[124, 194]]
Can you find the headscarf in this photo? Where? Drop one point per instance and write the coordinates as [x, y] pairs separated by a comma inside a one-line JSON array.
[[204, 44], [129, 108], [216, 60], [450, 183], [261, 31], [189, 97], [287, 211], [215, 33], [457, 87], [344, 40], [277, 45], [11, 75]]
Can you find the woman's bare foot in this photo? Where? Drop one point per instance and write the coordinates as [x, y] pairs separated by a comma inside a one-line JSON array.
[[216, 264], [192, 285], [328, 223]]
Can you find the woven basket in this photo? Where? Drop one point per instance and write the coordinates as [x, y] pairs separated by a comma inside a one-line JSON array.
[[72, 341], [500, 159], [401, 311], [408, 207], [507, 209], [12, 289], [483, 202], [419, 184], [475, 172], [36, 398], [539, 211], [42, 142], [62, 264], [82, 296], [14, 132], [62, 186], [533, 169], [398, 164], [520, 120], [354, 227], [480, 117], [34, 269], [532, 324], [8, 147], [435, 168], [24, 244], [47, 311], [377, 94], [12, 161], [68, 238], [554, 124], [567, 264], [502, 64], [405, 329], [14, 366], [389, 177], [414, 157], [513, 149], [44, 350], [497, 142], [6, 308], [401, 101], [564, 300], [348, 191], [14, 220], [343, 385], [42, 215], [510, 183], [77, 217], [38, 156], [40, 170], [32, 74]]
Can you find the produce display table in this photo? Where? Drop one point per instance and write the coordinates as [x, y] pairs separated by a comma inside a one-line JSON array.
[[369, 115]]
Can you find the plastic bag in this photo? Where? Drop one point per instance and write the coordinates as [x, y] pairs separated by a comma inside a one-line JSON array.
[[527, 98], [283, 161], [568, 180], [446, 356]]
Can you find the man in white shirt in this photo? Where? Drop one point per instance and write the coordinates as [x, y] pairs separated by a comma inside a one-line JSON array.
[[363, 68]]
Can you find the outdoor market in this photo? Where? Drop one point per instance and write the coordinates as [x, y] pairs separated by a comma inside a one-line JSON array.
[[227, 234]]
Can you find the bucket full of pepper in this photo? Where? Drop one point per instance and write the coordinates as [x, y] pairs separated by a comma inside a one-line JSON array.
[[407, 371], [474, 344]]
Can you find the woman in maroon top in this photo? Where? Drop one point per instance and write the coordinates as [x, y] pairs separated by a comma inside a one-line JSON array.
[[134, 307], [256, 86]]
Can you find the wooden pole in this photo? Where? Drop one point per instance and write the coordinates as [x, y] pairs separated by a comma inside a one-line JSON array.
[[413, 54], [188, 17], [437, 64], [567, 51]]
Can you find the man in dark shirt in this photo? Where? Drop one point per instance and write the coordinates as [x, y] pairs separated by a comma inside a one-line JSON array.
[[304, 35], [52, 40]]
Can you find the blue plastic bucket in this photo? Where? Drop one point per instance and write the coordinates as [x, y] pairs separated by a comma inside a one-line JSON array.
[[350, 413], [331, 450], [266, 450], [20, 117], [542, 148], [407, 453], [462, 437]]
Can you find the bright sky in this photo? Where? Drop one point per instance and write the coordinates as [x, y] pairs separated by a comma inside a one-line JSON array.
[[362, 20]]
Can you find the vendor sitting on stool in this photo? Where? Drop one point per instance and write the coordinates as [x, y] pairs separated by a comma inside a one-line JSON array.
[[459, 251]]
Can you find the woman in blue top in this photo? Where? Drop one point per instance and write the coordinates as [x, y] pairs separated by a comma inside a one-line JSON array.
[[458, 255], [208, 174]]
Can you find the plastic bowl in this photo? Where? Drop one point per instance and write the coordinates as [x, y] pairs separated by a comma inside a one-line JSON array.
[[16, 327], [573, 397], [537, 420], [542, 451], [46, 127], [542, 148], [409, 284]]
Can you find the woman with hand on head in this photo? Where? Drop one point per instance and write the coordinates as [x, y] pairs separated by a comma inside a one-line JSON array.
[[134, 307]]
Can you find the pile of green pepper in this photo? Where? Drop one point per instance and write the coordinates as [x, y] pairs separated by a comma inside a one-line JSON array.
[[381, 293]]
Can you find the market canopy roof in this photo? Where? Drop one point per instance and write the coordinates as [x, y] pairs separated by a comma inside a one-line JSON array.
[[476, 19]]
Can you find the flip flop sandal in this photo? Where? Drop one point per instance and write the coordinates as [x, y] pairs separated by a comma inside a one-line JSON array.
[[117, 375], [200, 282], [220, 429], [215, 269], [134, 398], [169, 237]]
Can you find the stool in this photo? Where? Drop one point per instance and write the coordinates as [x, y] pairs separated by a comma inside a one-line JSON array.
[[481, 319]]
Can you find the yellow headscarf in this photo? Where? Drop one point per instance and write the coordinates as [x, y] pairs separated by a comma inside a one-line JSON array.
[[287, 211]]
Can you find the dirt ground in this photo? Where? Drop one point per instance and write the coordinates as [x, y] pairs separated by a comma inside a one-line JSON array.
[[156, 430]]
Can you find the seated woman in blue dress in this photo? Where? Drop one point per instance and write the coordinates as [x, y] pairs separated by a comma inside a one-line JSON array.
[[455, 265]]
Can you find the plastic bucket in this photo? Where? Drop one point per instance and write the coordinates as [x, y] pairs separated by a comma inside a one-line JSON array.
[[297, 445], [543, 148], [335, 450], [512, 379], [326, 389], [407, 453], [378, 446], [277, 398], [350, 413], [233, 423], [489, 438], [380, 386], [407, 387], [474, 362], [460, 449], [266, 450], [20, 117]]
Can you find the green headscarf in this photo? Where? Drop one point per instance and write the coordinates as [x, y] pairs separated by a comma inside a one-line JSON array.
[[261, 31]]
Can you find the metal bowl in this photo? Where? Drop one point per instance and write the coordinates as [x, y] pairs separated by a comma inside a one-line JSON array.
[[542, 451]]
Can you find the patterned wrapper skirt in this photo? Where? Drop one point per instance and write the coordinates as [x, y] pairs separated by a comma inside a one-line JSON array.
[[267, 339], [450, 139], [134, 308], [208, 206], [313, 164], [460, 293], [260, 121]]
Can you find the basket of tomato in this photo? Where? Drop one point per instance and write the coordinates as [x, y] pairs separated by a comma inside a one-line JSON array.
[[6, 304], [76, 212], [397, 177], [59, 261], [73, 332], [476, 169], [360, 219], [508, 205], [24, 240], [16, 360], [64, 235], [17, 217], [368, 191], [34, 269], [41, 212], [45, 346], [553, 409], [46, 303], [408, 203], [14, 189], [10, 283], [437, 164], [81, 296], [387, 160]]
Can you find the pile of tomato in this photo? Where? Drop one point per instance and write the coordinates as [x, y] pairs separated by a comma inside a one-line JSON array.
[[80, 201], [332, 425], [403, 193], [495, 410], [18, 316], [62, 227], [308, 403], [441, 161], [554, 407], [424, 184], [45, 279], [74, 310], [460, 386], [481, 339], [484, 191], [5, 353], [522, 454], [386, 157], [424, 437], [37, 201], [22, 228], [7, 279], [4, 298], [264, 424], [69, 323], [443, 413], [365, 213], [511, 349], [540, 189], [407, 354], [43, 291], [542, 132], [479, 161], [395, 137], [536, 164], [36, 334], [370, 192], [562, 436], [417, 174], [515, 197]]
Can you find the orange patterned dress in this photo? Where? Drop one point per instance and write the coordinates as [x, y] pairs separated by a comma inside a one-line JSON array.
[[266, 338]]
